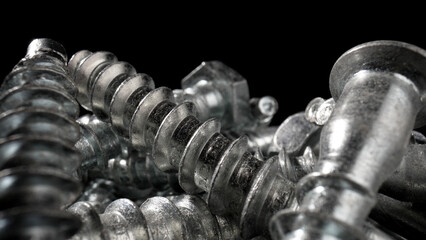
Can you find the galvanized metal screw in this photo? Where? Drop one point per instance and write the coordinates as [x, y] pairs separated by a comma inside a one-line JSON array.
[[299, 143], [107, 155], [405, 184], [37, 155], [173, 217], [203, 157], [379, 91]]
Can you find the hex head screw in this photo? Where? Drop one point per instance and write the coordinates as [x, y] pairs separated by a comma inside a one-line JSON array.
[[379, 88]]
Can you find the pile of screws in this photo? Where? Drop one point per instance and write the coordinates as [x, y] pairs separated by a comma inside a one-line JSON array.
[[204, 162]]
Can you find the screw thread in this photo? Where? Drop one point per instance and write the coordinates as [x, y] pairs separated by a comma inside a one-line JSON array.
[[37, 136], [173, 133], [107, 155], [172, 217]]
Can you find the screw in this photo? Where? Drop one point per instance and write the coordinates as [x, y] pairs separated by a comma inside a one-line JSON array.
[[379, 89], [204, 159], [173, 217], [107, 155], [99, 193], [97, 144], [37, 154], [299, 143], [404, 184]]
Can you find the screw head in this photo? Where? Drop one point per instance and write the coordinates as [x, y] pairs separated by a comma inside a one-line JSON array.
[[383, 56]]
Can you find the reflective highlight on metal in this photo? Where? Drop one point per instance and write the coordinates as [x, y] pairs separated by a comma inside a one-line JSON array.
[[173, 217], [378, 88], [37, 154]]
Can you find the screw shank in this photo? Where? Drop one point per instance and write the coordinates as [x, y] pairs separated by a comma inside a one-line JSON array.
[[370, 128]]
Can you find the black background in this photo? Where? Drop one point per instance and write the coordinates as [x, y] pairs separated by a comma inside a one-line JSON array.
[[283, 51]]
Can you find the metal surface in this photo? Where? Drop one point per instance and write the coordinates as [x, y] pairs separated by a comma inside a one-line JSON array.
[[220, 92], [204, 159], [297, 138], [371, 230], [319, 110], [37, 154], [378, 88], [107, 155], [211, 140], [174, 217], [405, 184]]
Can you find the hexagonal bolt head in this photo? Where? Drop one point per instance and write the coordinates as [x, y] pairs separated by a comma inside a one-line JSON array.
[[218, 91]]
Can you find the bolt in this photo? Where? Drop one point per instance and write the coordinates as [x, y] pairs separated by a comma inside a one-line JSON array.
[[173, 217], [371, 229], [378, 88], [37, 155], [220, 92], [204, 159]]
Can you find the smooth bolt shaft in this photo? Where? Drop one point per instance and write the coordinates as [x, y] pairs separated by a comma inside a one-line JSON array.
[[107, 155]]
